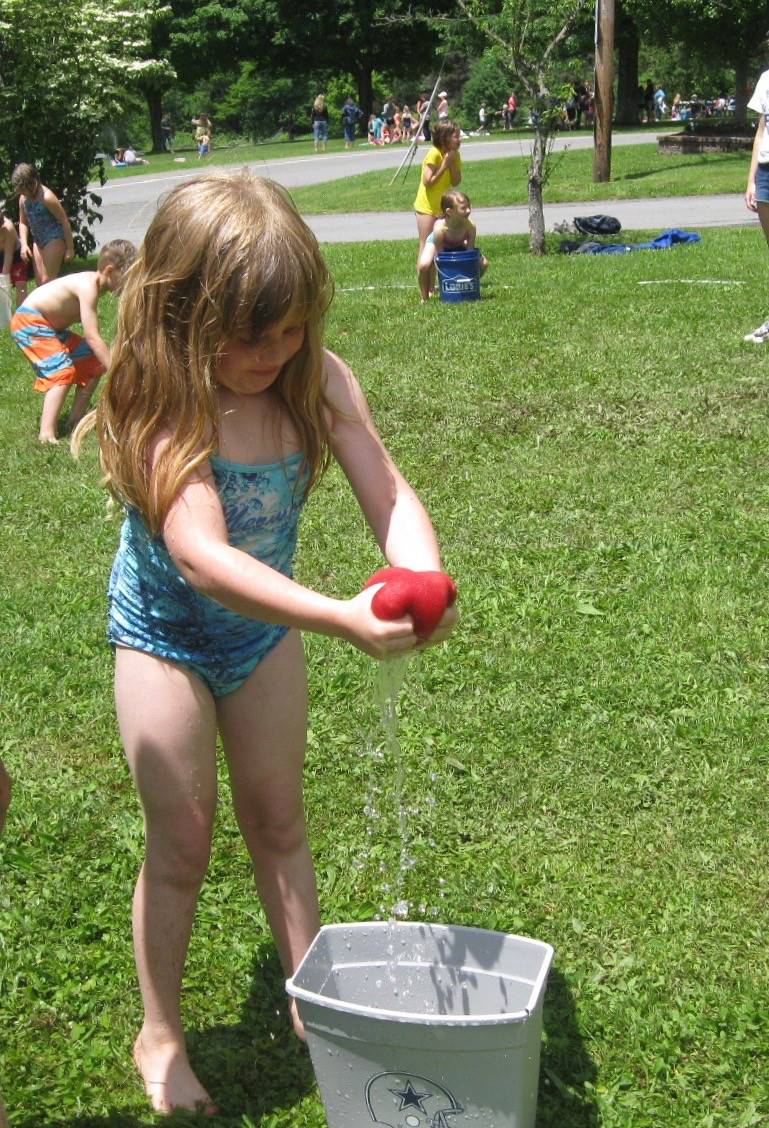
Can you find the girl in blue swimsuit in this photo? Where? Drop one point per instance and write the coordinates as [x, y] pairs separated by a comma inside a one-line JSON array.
[[220, 412], [44, 230]]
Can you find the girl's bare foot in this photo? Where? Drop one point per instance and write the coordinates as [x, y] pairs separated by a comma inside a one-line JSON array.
[[169, 1081], [48, 439]]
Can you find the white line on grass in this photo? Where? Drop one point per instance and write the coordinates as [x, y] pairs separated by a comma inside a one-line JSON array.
[[693, 282]]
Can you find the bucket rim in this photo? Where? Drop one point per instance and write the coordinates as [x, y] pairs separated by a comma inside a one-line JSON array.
[[419, 1018]]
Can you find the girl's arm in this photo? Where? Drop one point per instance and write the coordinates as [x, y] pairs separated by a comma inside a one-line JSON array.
[[55, 208], [396, 516], [470, 234], [431, 172], [750, 192], [195, 534], [26, 250]]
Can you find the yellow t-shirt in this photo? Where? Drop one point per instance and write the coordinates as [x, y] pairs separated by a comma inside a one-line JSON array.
[[428, 199]]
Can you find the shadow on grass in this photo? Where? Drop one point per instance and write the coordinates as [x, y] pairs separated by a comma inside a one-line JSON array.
[[566, 1065], [668, 166], [249, 1068]]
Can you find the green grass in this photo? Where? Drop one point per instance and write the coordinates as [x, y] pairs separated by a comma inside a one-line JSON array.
[[637, 171], [586, 759]]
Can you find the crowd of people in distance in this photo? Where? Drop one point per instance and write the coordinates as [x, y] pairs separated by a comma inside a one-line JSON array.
[[653, 105]]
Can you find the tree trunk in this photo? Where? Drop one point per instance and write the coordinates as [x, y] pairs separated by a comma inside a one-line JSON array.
[[741, 92], [536, 183], [627, 43], [604, 92], [363, 75], [155, 108]]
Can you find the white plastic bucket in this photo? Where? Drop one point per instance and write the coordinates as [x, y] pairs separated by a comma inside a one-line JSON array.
[[414, 1025]]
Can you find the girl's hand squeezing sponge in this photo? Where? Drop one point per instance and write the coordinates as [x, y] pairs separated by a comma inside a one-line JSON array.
[[424, 596]]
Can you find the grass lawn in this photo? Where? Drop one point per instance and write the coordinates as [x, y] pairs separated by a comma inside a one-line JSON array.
[[586, 762], [637, 171]]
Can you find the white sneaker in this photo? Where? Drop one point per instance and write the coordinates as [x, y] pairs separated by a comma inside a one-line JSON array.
[[759, 336]]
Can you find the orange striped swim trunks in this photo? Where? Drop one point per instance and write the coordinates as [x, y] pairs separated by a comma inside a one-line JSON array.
[[58, 356]]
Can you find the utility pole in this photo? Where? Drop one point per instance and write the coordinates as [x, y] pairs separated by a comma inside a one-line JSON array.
[[604, 78]]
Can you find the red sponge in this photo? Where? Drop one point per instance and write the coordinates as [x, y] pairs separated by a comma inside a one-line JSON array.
[[422, 595]]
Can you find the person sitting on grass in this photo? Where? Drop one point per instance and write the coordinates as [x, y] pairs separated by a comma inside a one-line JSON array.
[[221, 411], [61, 358], [455, 231], [131, 157]]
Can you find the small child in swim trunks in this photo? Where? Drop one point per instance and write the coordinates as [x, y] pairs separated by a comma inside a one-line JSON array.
[[42, 217], [61, 358], [455, 231], [220, 412]]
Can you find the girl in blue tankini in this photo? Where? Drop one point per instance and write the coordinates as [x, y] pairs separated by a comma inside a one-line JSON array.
[[220, 412], [44, 230]]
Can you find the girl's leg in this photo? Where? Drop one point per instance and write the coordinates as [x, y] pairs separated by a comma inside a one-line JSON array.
[[425, 270], [425, 224], [264, 729], [167, 724], [763, 215], [48, 260]]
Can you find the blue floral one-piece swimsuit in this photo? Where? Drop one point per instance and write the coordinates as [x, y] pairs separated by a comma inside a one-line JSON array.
[[152, 607], [44, 226]]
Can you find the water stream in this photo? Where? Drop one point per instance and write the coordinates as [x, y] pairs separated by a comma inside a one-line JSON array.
[[386, 808]]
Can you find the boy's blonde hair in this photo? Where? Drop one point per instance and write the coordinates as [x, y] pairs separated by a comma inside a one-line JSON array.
[[227, 254], [118, 253], [24, 177], [453, 196]]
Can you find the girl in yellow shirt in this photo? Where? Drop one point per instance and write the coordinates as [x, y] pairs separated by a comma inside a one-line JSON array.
[[441, 170]]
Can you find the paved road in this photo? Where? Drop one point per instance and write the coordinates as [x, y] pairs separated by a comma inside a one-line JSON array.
[[128, 204]]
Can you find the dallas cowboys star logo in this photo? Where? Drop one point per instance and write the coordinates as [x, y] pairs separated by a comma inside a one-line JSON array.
[[410, 1098]]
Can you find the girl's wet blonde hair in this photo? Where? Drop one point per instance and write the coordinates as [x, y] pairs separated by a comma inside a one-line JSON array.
[[226, 255]]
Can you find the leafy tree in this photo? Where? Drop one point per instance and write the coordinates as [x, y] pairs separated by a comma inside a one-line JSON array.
[[489, 81], [720, 39], [533, 39], [64, 68]]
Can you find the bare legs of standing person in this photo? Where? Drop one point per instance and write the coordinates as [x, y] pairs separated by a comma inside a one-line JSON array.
[[173, 763], [425, 224]]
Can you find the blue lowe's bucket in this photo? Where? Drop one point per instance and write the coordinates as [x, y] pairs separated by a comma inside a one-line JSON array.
[[459, 273]]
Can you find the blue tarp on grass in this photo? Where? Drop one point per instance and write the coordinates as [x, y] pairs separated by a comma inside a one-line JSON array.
[[669, 238]]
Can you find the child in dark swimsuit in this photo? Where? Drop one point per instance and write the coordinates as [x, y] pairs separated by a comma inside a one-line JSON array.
[[220, 412], [42, 217]]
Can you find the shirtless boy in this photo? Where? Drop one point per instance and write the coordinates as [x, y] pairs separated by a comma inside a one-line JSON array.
[[61, 358]]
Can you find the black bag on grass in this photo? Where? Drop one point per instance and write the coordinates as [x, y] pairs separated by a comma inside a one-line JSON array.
[[597, 224]]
